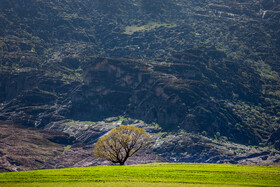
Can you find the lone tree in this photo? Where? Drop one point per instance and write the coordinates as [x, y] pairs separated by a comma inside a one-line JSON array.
[[121, 143]]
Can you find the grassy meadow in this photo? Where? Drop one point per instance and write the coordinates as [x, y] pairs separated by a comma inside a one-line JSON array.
[[148, 175]]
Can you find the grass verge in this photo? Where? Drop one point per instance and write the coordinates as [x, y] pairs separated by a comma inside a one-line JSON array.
[[148, 175]]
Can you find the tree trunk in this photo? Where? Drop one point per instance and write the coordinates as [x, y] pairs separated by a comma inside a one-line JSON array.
[[121, 163]]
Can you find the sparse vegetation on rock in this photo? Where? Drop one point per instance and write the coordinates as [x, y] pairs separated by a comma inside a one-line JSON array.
[[207, 68]]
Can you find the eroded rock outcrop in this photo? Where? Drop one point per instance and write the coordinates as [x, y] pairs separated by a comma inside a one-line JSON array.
[[23, 148], [207, 67]]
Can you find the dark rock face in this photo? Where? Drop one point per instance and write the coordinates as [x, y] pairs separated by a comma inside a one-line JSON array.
[[173, 95], [29, 97], [275, 139], [206, 67]]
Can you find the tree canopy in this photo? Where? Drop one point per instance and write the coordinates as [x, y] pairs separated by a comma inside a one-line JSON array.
[[121, 143]]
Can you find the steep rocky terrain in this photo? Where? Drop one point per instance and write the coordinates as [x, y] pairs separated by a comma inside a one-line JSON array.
[[24, 148], [207, 68], [168, 146]]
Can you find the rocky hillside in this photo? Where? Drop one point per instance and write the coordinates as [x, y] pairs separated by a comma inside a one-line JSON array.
[[26, 148], [207, 68]]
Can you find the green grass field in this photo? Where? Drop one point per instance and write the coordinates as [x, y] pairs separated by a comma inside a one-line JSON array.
[[148, 175]]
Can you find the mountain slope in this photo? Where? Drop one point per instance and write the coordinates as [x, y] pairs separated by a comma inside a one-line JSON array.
[[24, 148], [209, 68]]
